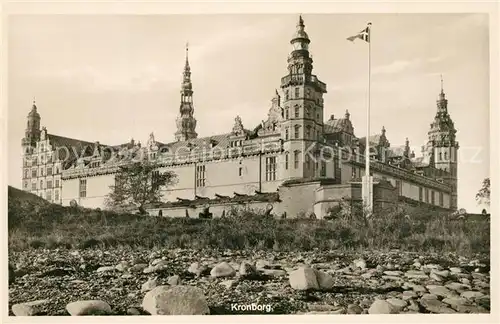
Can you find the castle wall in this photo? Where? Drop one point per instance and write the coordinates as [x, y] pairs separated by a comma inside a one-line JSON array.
[[96, 190]]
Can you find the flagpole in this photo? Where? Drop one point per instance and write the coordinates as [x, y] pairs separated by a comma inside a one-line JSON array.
[[369, 190]]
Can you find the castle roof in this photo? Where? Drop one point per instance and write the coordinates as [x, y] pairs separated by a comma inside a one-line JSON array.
[[73, 146], [338, 125]]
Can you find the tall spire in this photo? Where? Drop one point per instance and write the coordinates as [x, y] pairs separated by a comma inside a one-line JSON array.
[[442, 102], [186, 66], [186, 123]]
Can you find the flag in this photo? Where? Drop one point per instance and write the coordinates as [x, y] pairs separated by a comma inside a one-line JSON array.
[[364, 35]]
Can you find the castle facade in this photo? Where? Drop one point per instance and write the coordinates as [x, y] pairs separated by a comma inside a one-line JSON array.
[[295, 158]]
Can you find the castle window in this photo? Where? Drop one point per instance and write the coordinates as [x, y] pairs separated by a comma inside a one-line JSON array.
[[297, 128], [42, 159], [49, 184], [296, 111], [83, 188], [353, 173], [200, 176], [49, 171], [420, 194], [433, 197], [426, 195], [286, 133], [49, 196], [57, 169], [440, 156], [41, 184], [441, 199], [308, 93], [286, 161], [297, 93], [35, 160], [287, 94], [270, 168], [57, 183], [240, 171], [41, 172], [42, 147], [33, 186], [308, 131], [25, 185], [399, 187], [56, 195], [446, 156], [323, 169], [287, 113], [26, 173], [154, 178], [308, 162], [296, 155]]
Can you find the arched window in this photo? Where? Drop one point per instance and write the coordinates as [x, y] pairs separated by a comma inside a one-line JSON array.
[[296, 107], [446, 156], [296, 155], [297, 131], [287, 115], [440, 156], [286, 133]]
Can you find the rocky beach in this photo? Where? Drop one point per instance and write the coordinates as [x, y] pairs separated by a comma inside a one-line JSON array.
[[126, 281]]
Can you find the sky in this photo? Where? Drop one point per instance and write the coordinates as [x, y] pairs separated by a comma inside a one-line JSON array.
[[110, 78]]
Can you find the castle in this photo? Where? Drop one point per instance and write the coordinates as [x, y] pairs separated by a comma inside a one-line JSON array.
[[294, 159]]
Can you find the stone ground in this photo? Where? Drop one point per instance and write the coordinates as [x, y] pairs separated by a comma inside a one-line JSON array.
[[370, 282]]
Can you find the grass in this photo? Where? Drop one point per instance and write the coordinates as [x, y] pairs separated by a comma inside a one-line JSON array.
[[34, 223]]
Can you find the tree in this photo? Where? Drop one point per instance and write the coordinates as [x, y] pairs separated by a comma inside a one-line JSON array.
[[138, 184], [483, 196]]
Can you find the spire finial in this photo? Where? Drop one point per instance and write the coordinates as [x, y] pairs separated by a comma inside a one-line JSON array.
[[383, 129], [301, 21], [442, 84]]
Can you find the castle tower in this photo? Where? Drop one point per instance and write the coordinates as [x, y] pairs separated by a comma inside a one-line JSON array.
[[186, 123], [302, 126], [32, 132], [442, 145]]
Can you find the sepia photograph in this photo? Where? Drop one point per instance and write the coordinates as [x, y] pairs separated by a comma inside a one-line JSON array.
[[287, 163]]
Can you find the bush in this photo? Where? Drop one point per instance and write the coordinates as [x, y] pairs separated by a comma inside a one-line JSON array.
[[36, 224]]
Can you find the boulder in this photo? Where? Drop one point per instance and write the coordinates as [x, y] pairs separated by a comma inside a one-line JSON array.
[[88, 307], [397, 303], [222, 269], [31, 308], [324, 280], [435, 306], [197, 269], [354, 309], [471, 294], [174, 280], [303, 278], [149, 285], [247, 270], [382, 307], [175, 300]]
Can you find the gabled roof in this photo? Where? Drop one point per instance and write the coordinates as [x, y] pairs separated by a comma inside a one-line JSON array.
[[338, 125], [74, 147]]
